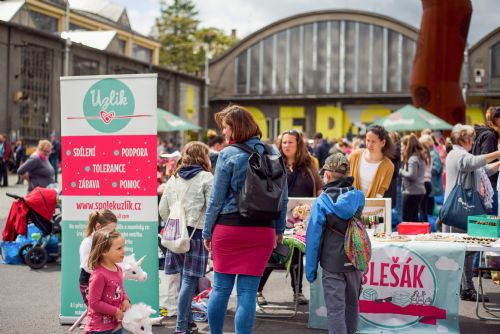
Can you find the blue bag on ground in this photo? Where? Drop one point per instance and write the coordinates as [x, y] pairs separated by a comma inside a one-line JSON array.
[[10, 250], [461, 203]]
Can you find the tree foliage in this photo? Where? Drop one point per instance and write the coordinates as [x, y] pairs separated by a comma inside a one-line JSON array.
[[182, 41]]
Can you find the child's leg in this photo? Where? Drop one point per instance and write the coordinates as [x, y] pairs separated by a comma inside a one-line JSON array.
[[352, 291], [334, 290]]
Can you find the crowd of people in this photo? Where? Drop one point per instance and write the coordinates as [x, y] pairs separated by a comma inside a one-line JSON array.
[[38, 169], [417, 171]]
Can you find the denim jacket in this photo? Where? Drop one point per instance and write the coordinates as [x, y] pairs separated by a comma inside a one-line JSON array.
[[230, 174]]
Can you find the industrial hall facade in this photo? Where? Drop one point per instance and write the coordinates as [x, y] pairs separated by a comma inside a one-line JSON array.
[[336, 71], [34, 46]]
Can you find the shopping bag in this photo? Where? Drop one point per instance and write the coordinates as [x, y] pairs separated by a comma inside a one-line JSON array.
[[461, 203], [175, 234]]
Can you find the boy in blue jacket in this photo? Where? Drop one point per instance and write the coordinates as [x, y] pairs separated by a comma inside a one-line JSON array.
[[330, 214]]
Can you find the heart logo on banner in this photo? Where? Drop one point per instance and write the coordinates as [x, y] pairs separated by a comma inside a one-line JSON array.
[[107, 117]]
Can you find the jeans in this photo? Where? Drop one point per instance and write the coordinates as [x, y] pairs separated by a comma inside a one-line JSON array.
[[120, 331], [184, 310], [246, 289]]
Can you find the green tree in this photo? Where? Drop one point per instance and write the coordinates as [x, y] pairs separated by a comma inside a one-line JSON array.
[[182, 42], [175, 29]]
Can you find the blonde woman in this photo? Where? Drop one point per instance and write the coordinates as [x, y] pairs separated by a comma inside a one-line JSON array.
[[193, 180], [459, 160], [37, 169]]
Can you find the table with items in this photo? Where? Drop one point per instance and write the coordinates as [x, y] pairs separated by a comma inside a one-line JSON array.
[[412, 283]]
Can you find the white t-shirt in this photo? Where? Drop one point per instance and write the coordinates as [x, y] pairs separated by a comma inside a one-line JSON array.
[[85, 248], [367, 172]]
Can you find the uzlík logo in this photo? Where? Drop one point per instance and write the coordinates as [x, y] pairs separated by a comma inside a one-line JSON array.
[[109, 105]]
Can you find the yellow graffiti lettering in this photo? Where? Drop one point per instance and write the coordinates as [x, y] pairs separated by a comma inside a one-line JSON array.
[[260, 118], [373, 112], [287, 117], [474, 115], [332, 122], [189, 103]]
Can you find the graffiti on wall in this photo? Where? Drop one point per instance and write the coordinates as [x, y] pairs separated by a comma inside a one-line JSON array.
[[333, 122]]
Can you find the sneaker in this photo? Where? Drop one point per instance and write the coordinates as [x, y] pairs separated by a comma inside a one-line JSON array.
[[301, 299], [192, 326], [471, 295], [260, 299]]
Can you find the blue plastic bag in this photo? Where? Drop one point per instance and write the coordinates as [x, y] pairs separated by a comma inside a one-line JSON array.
[[10, 250]]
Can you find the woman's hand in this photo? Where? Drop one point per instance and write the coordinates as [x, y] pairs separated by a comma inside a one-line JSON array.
[[279, 240], [208, 244]]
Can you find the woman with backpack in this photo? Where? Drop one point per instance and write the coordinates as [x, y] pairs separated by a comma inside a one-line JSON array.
[[303, 181], [240, 246], [191, 183]]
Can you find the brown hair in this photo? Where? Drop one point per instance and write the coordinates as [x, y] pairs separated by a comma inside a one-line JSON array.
[[491, 114], [389, 147], [302, 158], [194, 153], [412, 146], [241, 122], [103, 217], [101, 243]]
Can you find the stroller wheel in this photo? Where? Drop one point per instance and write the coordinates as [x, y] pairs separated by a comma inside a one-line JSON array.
[[36, 257], [24, 250]]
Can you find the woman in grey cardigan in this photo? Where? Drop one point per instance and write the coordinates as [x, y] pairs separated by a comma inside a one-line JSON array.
[[412, 174], [460, 160], [37, 169]]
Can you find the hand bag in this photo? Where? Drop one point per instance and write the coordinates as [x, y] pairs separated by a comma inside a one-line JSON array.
[[175, 235], [461, 203]]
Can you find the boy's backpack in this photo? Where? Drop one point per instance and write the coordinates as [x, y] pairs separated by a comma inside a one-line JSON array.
[[357, 245], [261, 196]]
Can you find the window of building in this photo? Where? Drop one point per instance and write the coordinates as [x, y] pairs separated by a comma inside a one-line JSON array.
[[142, 53], [74, 27], [36, 82], [495, 66], [44, 22], [122, 44], [163, 93], [84, 66]]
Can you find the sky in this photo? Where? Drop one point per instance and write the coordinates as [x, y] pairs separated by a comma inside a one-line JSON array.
[[247, 16]]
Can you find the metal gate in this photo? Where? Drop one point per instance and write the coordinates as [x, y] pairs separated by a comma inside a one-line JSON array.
[[36, 82]]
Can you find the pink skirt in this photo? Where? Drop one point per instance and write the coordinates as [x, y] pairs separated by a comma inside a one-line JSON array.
[[242, 250]]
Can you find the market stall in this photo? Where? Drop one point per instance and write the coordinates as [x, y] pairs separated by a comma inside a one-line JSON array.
[[412, 283]]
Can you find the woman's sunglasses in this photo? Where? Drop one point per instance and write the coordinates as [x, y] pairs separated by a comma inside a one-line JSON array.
[[292, 132]]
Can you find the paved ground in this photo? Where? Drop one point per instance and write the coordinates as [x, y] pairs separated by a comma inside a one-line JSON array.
[[30, 300]]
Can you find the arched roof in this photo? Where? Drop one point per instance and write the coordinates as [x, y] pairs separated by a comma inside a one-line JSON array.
[[320, 52]]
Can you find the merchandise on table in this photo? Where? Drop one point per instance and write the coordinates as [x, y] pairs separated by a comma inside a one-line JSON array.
[[383, 237], [436, 237], [476, 240], [414, 228]]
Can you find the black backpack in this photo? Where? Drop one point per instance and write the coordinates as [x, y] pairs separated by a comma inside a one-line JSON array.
[[261, 196]]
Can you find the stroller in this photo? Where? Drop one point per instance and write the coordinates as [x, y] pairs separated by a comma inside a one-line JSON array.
[[38, 207]]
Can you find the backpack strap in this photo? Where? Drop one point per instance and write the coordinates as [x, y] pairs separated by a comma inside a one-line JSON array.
[[243, 147]]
